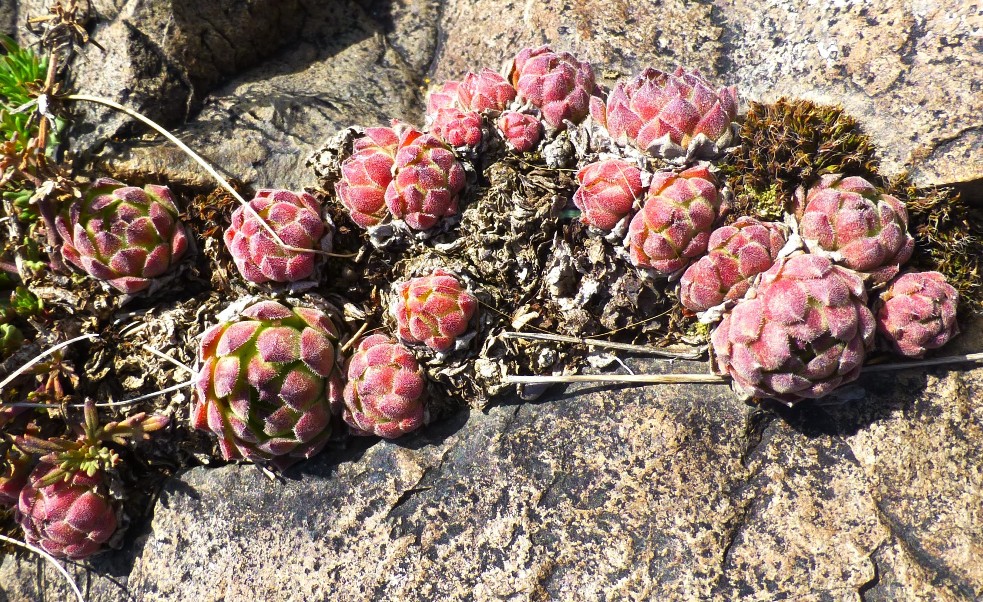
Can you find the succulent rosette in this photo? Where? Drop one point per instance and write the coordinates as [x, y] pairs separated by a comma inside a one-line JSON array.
[[670, 115], [456, 127], [386, 389], [556, 83], [268, 382], [735, 255], [521, 131], [125, 235], [857, 225], [917, 312], [674, 225], [434, 310], [366, 174], [485, 91], [608, 190], [454, 109], [803, 331], [72, 516], [428, 181], [296, 219]]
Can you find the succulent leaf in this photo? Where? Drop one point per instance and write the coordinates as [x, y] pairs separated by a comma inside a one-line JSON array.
[[434, 310], [72, 516], [917, 312], [607, 192], [556, 83], [674, 225], [428, 181], [801, 333], [366, 174], [296, 219]]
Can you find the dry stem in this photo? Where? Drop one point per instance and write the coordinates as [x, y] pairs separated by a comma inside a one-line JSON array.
[[535, 336], [43, 355], [198, 159], [713, 378]]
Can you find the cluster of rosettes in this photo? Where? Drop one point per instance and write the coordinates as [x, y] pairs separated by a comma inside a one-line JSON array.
[[61, 489], [801, 327], [798, 326], [270, 378], [401, 172], [793, 301]]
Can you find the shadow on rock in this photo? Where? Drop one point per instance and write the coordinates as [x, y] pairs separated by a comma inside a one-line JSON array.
[[872, 398]]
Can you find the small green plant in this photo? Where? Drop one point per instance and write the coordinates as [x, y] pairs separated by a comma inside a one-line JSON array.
[[21, 75]]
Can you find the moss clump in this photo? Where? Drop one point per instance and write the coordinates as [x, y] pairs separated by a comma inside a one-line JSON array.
[[948, 238], [792, 143]]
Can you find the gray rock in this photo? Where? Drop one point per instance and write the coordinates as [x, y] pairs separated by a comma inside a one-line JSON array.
[[672, 492], [910, 73]]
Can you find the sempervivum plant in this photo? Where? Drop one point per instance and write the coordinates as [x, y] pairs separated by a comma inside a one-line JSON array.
[[556, 83], [917, 312], [428, 181], [521, 131], [456, 127], [68, 514], [856, 224], [122, 234], [608, 190], [801, 332], [434, 310], [670, 115], [268, 382], [735, 255], [386, 389], [366, 174], [65, 507], [296, 219], [485, 91], [674, 225], [454, 110]]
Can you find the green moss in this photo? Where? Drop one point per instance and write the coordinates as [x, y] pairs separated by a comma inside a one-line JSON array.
[[948, 238], [790, 144]]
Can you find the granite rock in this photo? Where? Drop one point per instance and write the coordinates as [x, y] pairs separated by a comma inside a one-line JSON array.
[[909, 72], [673, 492]]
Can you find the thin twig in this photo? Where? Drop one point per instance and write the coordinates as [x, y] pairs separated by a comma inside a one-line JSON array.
[[170, 359], [713, 378], [618, 378], [40, 357], [344, 348], [689, 355], [49, 558], [147, 396], [937, 361], [198, 159], [105, 404]]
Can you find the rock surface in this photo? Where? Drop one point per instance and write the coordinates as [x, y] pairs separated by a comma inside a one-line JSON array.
[[674, 493], [909, 72], [670, 493]]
